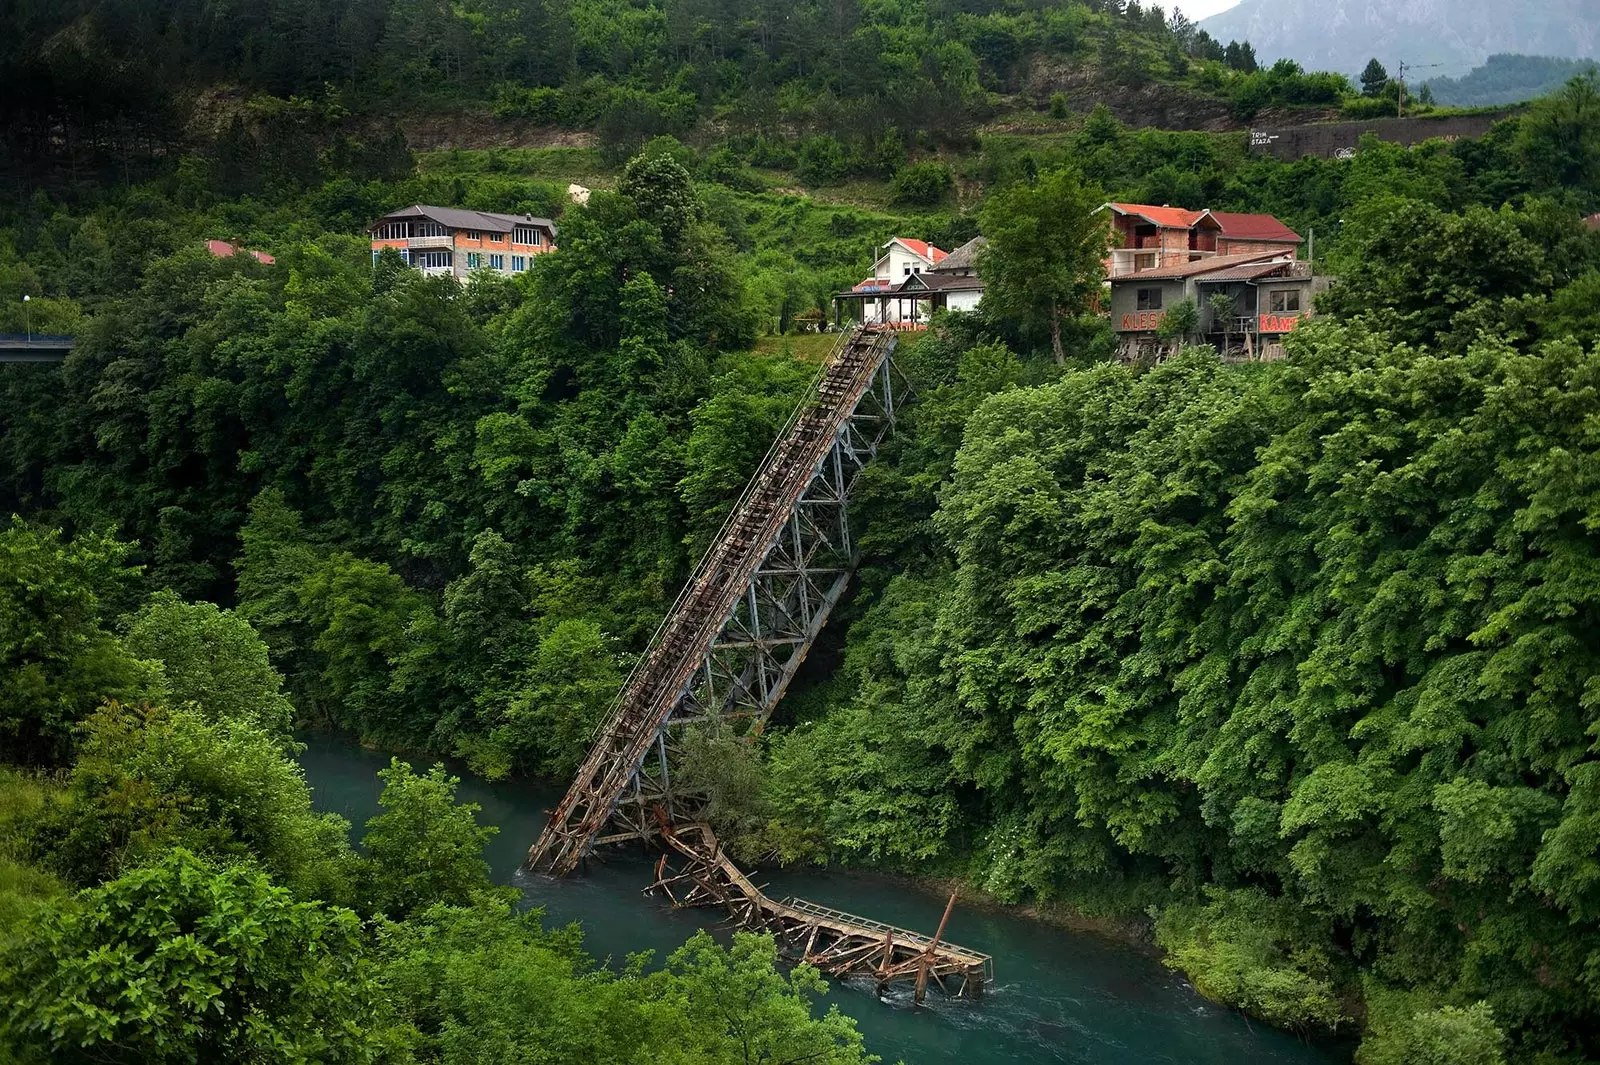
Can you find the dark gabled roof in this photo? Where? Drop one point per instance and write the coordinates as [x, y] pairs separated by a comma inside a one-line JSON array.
[[932, 281], [457, 218], [1247, 272], [1214, 264], [963, 258]]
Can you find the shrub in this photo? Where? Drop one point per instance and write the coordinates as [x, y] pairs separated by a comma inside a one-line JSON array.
[[822, 161], [922, 184]]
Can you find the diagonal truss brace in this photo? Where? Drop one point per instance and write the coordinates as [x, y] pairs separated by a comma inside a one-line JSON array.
[[768, 622]]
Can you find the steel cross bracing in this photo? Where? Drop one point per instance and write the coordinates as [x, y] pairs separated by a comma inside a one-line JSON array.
[[747, 616]]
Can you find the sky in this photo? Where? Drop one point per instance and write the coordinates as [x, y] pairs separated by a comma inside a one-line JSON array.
[[1199, 9]]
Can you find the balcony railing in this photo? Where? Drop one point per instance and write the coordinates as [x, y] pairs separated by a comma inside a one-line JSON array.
[[431, 242]]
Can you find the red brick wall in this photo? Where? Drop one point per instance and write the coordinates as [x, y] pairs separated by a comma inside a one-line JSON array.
[[1226, 246]]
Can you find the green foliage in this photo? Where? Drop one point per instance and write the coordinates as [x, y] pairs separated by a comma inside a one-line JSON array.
[[211, 658], [1254, 952], [182, 961], [57, 661], [1181, 321], [922, 185], [1374, 79], [1408, 1028], [482, 983], [147, 780], [1560, 137], [1043, 262], [1506, 79], [424, 848]]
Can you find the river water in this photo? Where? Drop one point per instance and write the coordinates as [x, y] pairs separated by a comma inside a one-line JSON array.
[[1058, 996]]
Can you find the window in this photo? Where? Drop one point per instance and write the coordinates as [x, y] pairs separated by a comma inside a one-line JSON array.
[[429, 229], [1284, 301], [1145, 261], [525, 235], [392, 231], [497, 238], [1149, 299], [432, 260], [497, 262], [519, 263], [474, 260], [906, 269], [473, 234]]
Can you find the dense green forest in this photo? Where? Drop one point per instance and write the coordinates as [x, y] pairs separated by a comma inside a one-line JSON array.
[[1291, 659], [1506, 79]]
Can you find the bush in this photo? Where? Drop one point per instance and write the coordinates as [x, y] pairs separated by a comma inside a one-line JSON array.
[[822, 161], [922, 185], [1249, 950], [546, 106]]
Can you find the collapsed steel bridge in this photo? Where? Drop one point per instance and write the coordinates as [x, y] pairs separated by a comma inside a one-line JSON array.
[[725, 654]]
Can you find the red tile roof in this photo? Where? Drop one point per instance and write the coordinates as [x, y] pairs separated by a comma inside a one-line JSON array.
[[1167, 217], [923, 248], [223, 250], [1254, 227]]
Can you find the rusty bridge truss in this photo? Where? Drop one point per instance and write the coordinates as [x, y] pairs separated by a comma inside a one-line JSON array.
[[747, 616], [726, 653]]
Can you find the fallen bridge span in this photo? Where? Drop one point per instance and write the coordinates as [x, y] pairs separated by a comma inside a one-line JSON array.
[[726, 653]]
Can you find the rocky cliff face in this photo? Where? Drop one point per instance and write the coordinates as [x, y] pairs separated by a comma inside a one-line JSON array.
[[1457, 34]]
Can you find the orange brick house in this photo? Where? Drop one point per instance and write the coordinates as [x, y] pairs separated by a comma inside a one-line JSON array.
[[448, 241], [1145, 237]]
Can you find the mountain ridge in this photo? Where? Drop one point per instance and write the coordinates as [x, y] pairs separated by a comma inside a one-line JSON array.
[[1444, 37]]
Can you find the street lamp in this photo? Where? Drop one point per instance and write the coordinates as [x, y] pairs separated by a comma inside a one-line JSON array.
[[27, 316]]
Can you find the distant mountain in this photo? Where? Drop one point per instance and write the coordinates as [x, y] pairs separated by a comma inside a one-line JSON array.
[[1507, 79], [1456, 34]]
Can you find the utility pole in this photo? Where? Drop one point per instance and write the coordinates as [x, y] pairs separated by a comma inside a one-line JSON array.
[[1400, 78]]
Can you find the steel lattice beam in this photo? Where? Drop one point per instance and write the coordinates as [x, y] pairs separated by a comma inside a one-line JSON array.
[[748, 616]]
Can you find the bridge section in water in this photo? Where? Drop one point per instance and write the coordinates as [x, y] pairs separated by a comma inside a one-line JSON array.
[[727, 652]]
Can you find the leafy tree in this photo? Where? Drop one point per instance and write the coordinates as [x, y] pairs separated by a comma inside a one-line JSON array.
[[1180, 322], [151, 779], [1560, 137], [212, 658], [1044, 259], [181, 961], [922, 184], [57, 661], [424, 848], [750, 1011]]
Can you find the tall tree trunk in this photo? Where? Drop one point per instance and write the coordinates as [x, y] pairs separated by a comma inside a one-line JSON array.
[[1055, 334]]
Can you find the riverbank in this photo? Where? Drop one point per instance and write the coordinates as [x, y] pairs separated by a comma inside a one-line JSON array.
[[1061, 995]]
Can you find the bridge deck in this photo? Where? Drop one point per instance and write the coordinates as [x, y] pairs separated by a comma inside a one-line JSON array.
[[36, 348], [838, 943]]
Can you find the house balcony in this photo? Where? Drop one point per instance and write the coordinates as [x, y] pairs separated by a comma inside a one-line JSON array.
[[1125, 261], [446, 241], [437, 271]]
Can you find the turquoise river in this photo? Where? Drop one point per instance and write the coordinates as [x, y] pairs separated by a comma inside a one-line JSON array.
[[1058, 996]]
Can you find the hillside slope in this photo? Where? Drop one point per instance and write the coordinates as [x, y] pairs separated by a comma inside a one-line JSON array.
[[1458, 34]]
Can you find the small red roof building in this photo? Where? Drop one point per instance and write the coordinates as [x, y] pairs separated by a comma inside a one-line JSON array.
[[222, 249], [1146, 237]]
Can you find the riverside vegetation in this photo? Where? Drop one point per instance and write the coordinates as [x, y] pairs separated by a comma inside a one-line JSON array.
[[1297, 659]]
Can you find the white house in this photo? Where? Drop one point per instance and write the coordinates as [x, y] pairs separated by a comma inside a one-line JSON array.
[[911, 280], [903, 258]]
